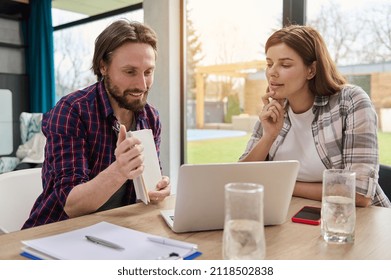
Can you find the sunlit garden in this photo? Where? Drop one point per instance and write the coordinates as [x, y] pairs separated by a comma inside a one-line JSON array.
[[230, 149]]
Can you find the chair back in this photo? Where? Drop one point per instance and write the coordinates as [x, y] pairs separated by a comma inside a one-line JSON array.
[[385, 179], [18, 191]]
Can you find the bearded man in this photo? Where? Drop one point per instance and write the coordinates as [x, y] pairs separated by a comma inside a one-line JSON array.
[[90, 163]]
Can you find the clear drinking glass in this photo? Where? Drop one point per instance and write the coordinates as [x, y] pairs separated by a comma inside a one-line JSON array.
[[243, 236], [338, 218]]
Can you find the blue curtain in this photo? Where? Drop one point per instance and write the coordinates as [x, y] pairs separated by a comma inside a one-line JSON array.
[[38, 36]]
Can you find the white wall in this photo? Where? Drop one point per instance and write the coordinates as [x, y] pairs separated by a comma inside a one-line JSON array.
[[164, 17]]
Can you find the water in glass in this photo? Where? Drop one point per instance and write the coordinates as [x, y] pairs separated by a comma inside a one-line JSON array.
[[244, 239]]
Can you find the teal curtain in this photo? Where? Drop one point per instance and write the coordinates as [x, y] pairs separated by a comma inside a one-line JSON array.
[[38, 34]]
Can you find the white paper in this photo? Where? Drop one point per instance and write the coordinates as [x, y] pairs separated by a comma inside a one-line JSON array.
[[73, 245]]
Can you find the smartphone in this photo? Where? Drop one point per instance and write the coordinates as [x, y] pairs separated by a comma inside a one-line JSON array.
[[307, 215]]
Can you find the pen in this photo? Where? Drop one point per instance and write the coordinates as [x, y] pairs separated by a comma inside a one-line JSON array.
[[103, 242], [171, 242]]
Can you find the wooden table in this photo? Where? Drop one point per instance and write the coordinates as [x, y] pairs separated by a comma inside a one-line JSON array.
[[284, 242]]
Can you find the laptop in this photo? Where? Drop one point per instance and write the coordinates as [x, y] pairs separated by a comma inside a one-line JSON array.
[[199, 202]]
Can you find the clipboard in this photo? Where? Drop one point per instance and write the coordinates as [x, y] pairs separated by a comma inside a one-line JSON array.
[[74, 245]]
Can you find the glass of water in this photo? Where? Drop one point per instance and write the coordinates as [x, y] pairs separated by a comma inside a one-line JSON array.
[[338, 218], [243, 237]]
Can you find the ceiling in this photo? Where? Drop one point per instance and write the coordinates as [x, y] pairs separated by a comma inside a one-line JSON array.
[[90, 8], [20, 8]]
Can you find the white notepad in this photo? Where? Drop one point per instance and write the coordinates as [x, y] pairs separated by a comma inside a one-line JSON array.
[[73, 245], [152, 173]]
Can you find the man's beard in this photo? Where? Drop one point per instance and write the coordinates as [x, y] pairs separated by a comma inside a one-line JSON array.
[[121, 98]]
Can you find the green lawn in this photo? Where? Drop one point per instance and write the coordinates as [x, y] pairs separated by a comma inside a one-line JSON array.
[[385, 147], [230, 149], [216, 150]]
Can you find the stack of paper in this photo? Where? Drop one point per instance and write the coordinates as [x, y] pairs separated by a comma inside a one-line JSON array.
[[114, 242]]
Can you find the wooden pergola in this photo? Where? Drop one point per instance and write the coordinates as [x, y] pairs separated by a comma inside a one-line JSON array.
[[237, 70]]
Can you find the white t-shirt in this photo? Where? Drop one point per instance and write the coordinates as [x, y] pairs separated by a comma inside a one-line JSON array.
[[299, 145]]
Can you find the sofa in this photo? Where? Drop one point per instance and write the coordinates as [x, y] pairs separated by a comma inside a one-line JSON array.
[[30, 124]]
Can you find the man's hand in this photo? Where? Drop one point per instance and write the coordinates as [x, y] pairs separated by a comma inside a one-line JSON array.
[[163, 189], [128, 155]]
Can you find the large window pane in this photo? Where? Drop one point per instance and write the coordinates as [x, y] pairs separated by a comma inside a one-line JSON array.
[[62, 17], [360, 43], [225, 74], [74, 47]]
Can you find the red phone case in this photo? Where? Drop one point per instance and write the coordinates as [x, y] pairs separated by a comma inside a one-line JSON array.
[[306, 220]]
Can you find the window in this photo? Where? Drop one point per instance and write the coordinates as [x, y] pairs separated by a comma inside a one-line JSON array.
[[74, 48], [360, 44], [225, 77]]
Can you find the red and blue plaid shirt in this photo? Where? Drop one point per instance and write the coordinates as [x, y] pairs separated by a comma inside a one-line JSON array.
[[81, 139]]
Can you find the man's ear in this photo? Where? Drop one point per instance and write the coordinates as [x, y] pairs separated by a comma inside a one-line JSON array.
[[311, 71], [103, 68]]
